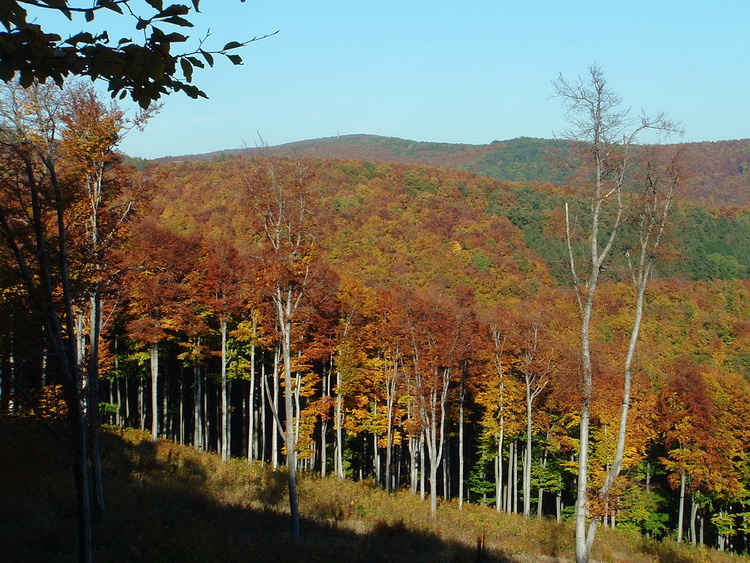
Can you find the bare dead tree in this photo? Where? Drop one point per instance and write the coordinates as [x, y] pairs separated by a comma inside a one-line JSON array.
[[608, 134]]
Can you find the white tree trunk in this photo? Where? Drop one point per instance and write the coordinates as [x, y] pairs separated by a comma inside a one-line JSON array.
[[462, 397], [225, 430], [263, 443], [421, 466], [339, 416], [324, 423], [414, 460], [251, 405], [681, 510], [527, 455], [198, 399], [275, 407], [285, 306], [693, 514], [499, 505], [154, 392], [509, 491], [390, 400]]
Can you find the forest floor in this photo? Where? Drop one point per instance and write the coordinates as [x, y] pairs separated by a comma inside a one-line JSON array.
[[169, 503]]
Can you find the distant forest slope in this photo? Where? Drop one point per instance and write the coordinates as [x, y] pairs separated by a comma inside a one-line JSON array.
[[718, 173], [401, 224]]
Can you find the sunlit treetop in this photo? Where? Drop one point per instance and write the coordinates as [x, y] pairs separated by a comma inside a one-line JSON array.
[[145, 68]]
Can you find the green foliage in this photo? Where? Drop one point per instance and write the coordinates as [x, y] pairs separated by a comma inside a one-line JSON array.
[[725, 522], [523, 160], [416, 180], [547, 476], [139, 164], [481, 489], [713, 246], [345, 203], [643, 511], [481, 261], [705, 245], [145, 70], [108, 409]]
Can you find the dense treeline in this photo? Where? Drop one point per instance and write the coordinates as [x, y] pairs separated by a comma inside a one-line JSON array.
[[717, 172], [705, 244], [400, 323]]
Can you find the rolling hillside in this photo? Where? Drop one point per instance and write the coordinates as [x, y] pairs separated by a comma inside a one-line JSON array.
[[380, 213], [717, 173]]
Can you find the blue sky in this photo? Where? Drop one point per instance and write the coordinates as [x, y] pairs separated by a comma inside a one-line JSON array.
[[448, 71]]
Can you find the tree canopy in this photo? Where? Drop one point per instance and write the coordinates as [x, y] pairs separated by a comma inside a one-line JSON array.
[[145, 69]]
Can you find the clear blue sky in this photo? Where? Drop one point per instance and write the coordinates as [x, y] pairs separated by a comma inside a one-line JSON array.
[[453, 71]]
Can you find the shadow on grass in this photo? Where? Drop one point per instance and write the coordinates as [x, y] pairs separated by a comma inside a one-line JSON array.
[[159, 510]]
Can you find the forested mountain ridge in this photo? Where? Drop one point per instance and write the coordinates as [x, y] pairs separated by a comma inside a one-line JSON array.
[[717, 173], [704, 244]]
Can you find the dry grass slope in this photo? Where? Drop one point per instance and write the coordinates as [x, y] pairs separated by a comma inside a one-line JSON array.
[[169, 503]]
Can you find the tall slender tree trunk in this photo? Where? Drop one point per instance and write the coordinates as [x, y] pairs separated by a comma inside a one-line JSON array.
[[376, 471], [323, 448], [81, 473], [433, 481], [339, 416], [421, 465], [198, 400], [413, 477], [297, 414], [681, 510], [324, 419], [154, 393], [251, 402], [182, 417], [275, 406], [390, 400], [583, 542], [93, 402], [511, 473], [693, 514], [263, 443], [389, 446], [527, 455], [499, 469], [447, 494], [225, 416], [462, 397], [208, 418], [285, 306], [165, 424], [516, 481], [141, 403]]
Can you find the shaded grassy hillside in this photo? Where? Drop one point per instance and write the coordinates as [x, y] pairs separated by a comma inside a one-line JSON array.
[[168, 503], [717, 173]]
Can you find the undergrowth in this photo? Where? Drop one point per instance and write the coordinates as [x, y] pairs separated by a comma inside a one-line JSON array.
[[168, 503]]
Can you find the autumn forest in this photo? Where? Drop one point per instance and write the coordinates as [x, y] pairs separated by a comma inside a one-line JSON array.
[[411, 324]]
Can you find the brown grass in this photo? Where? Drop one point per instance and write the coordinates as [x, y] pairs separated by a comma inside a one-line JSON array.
[[169, 503]]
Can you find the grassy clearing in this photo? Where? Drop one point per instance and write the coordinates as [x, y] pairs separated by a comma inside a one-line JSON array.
[[169, 503]]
